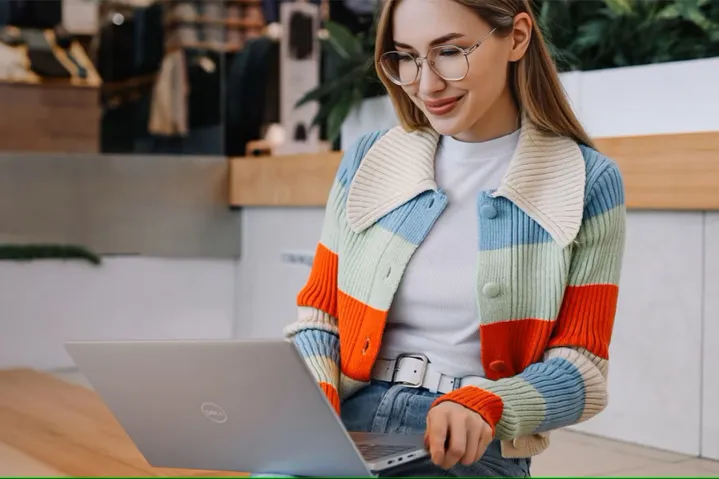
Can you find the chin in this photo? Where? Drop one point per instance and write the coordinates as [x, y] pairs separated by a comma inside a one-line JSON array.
[[447, 126]]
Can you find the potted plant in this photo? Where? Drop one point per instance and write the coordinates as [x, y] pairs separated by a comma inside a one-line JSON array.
[[30, 252], [585, 36]]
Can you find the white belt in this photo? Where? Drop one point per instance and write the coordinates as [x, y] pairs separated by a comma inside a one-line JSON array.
[[415, 370]]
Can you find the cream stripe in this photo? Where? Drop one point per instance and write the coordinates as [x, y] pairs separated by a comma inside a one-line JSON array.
[[324, 369], [312, 318], [397, 168]]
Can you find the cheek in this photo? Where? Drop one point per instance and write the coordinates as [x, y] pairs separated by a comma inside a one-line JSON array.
[[486, 82]]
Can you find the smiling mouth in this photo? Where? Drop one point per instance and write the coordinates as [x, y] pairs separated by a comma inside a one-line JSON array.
[[442, 106]]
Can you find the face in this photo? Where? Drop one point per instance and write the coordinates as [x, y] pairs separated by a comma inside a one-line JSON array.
[[472, 107]]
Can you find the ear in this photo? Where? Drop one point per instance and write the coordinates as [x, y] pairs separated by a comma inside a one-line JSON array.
[[521, 36]]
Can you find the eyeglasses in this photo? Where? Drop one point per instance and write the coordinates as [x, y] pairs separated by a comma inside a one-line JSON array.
[[450, 62]]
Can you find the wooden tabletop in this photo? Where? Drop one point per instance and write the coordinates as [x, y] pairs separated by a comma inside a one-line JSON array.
[[49, 427]]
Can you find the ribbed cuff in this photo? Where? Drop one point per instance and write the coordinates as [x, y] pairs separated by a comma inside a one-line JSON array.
[[332, 395], [484, 403]]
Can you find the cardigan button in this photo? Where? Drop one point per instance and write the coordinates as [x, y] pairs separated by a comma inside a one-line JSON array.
[[498, 366], [491, 290], [488, 211]]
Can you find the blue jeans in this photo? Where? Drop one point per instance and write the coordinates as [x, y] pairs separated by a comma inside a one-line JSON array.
[[384, 408]]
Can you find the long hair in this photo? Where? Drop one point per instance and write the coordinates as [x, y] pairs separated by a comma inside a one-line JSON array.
[[534, 80]]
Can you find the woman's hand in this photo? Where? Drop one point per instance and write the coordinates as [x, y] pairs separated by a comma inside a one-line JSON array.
[[456, 434]]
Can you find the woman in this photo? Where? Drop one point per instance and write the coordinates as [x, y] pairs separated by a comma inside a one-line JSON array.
[[466, 280]]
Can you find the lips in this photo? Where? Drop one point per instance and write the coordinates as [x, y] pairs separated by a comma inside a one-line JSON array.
[[441, 106]]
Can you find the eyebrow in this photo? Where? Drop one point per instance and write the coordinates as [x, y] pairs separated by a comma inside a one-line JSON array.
[[437, 41]]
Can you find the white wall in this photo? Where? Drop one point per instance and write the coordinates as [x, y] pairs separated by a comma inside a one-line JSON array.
[[655, 365], [268, 285], [710, 365], [44, 304], [676, 97]]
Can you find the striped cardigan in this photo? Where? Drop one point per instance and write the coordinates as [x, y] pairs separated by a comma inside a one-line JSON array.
[[551, 240]]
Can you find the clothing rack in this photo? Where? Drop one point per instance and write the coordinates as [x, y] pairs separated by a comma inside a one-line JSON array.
[[217, 25]]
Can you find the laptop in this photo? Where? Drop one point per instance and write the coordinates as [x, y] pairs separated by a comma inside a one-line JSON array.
[[247, 406]]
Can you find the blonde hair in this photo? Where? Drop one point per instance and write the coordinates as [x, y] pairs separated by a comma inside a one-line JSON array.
[[533, 79]]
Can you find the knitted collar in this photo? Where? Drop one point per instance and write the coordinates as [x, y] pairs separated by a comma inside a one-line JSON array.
[[545, 178]]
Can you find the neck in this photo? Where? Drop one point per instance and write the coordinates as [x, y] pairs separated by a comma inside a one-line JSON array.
[[501, 119]]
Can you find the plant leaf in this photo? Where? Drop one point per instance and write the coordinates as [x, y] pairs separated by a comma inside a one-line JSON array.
[[342, 41]]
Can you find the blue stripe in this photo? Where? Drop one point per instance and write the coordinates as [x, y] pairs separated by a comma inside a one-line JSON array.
[[354, 155], [510, 227], [413, 220], [605, 188], [562, 387], [317, 342]]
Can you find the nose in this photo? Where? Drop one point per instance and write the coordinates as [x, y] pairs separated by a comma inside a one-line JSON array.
[[429, 81]]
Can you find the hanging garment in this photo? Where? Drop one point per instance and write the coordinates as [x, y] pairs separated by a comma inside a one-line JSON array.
[[251, 94], [34, 13], [12, 63], [168, 112]]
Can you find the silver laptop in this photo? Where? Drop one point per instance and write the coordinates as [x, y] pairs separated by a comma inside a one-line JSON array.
[[248, 406]]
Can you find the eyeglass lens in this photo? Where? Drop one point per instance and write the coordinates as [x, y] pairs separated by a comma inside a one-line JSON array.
[[449, 62]]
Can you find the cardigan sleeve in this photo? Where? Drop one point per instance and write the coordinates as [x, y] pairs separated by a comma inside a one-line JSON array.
[[570, 384], [316, 332]]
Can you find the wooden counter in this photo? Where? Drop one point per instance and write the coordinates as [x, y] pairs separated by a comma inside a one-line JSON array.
[[49, 427], [661, 172]]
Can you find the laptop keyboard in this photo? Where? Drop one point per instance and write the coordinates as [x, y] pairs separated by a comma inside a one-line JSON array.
[[370, 452]]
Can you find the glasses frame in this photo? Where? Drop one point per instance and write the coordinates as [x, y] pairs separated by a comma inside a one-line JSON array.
[[419, 60]]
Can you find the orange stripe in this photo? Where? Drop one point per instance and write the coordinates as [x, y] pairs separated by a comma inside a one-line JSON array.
[[361, 329], [332, 395], [484, 403], [320, 291], [586, 318], [510, 346]]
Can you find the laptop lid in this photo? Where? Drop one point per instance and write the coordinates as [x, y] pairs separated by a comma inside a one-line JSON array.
[[247, 406]]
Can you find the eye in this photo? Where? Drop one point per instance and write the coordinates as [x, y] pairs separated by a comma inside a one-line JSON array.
[[406, 58], [448, 52]]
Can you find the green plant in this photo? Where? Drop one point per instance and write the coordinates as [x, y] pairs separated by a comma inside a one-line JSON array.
[[583, 35], [351, 77], [12, 252], [596, 34]]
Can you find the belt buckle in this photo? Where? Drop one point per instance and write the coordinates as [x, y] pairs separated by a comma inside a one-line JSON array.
[[423, 371]]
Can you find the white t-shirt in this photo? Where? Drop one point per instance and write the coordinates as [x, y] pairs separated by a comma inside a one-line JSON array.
[[435, 310]]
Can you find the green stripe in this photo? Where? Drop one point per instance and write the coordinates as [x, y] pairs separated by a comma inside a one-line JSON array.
[[334, 217], [524, 407], [372, 266], [530, 278], [598, 255]]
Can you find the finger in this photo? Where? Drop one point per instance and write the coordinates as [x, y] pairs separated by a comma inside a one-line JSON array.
[[484, 442], [474, 436], [437, 427], [457, 440]]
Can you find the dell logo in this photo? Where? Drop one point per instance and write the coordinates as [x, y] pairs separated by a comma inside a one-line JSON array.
[[213, 412]]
